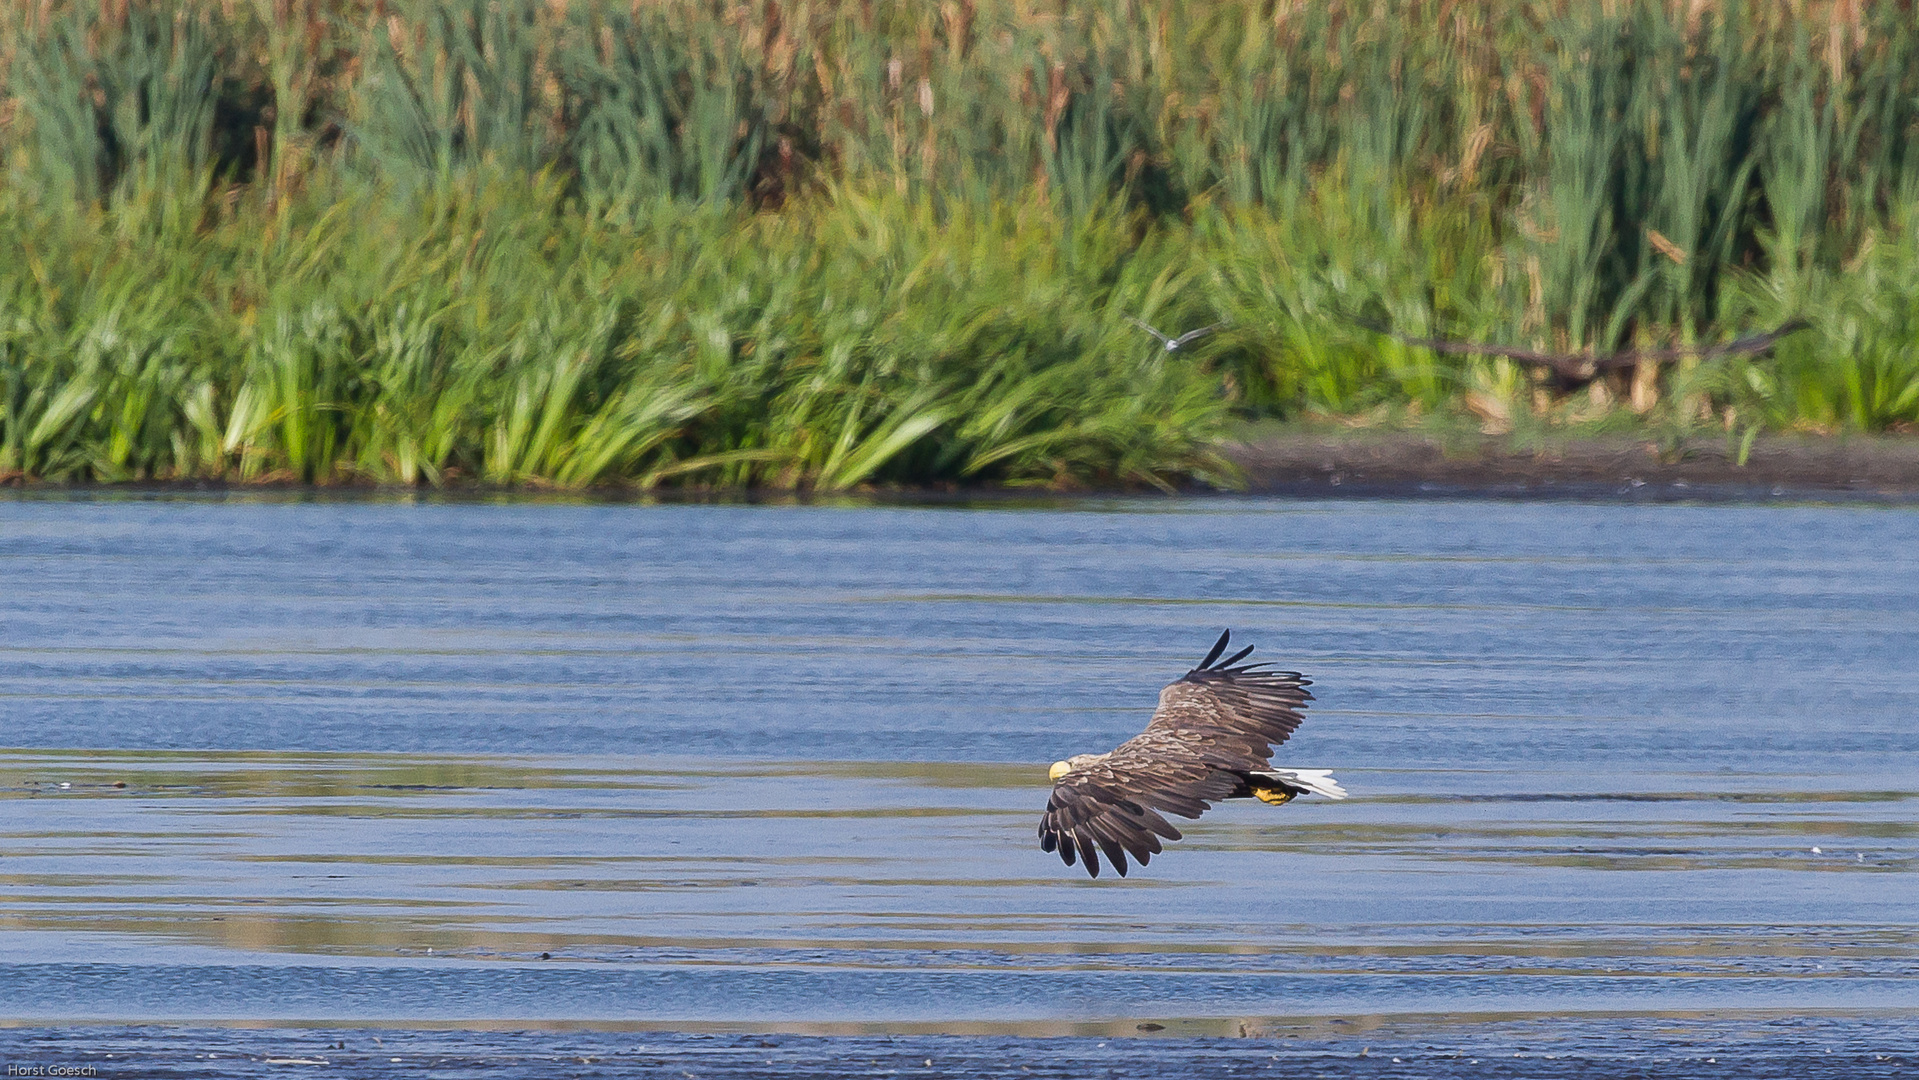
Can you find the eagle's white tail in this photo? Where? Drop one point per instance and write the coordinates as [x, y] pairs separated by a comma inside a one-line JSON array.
[[1317, 781]]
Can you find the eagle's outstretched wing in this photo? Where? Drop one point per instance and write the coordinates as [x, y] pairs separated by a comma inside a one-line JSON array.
[[1216, 721], [1232, 716]]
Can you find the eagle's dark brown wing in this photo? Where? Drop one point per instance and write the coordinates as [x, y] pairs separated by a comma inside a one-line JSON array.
[[1216, 721], [1114, 807]]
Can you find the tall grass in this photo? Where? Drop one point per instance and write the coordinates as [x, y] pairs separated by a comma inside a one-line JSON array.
[[483, 331], [836, 244]]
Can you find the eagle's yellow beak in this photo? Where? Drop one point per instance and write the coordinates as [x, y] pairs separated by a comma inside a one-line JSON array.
[[1059, 769]]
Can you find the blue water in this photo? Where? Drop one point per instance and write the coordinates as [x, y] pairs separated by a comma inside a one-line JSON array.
[[554, 768]]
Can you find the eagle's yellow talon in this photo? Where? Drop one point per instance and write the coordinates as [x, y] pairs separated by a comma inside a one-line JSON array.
[[1274, 796]]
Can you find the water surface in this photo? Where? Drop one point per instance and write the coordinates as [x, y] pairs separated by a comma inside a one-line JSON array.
[[777, 768]]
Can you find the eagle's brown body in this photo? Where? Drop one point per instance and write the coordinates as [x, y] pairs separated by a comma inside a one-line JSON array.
[[1210, 739]]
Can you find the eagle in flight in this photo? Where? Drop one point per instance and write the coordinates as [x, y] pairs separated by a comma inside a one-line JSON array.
[[1210, 739]]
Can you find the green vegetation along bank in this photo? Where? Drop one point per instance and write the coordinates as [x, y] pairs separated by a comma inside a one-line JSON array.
[[825, 245]]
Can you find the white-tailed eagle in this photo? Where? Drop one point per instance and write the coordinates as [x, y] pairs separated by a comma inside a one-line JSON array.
[[1211, 738]]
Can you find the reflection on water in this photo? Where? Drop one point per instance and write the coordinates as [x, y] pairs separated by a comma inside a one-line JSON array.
[[779, 768], [803, 893]]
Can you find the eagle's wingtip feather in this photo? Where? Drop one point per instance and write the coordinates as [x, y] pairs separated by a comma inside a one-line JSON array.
[[1218, 647]]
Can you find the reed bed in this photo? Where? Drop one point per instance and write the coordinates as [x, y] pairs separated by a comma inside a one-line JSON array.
[[828, 245]]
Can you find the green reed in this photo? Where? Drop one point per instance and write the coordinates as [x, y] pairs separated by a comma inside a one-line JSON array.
[[838, 244]]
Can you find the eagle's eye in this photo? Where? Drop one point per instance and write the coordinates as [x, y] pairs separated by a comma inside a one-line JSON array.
[[1059, 769]]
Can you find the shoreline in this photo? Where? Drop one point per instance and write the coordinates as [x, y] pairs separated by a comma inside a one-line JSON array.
[[1370, 463], [1306, 462]]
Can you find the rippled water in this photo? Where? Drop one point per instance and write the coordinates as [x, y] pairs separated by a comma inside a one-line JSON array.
[[759, 769]]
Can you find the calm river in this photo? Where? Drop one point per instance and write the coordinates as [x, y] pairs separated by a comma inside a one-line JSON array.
[[481, 788]]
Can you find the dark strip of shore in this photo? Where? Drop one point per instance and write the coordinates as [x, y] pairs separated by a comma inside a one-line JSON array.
[[1374, 463], [1315, 462]]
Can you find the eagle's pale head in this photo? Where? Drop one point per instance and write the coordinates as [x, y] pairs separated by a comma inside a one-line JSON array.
[[1077, 761]]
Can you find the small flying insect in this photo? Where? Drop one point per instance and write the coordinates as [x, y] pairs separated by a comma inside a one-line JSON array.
[[1173, 343]]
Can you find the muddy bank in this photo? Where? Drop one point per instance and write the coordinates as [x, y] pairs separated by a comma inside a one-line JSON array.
[[1372, 462], [1316, 461]]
